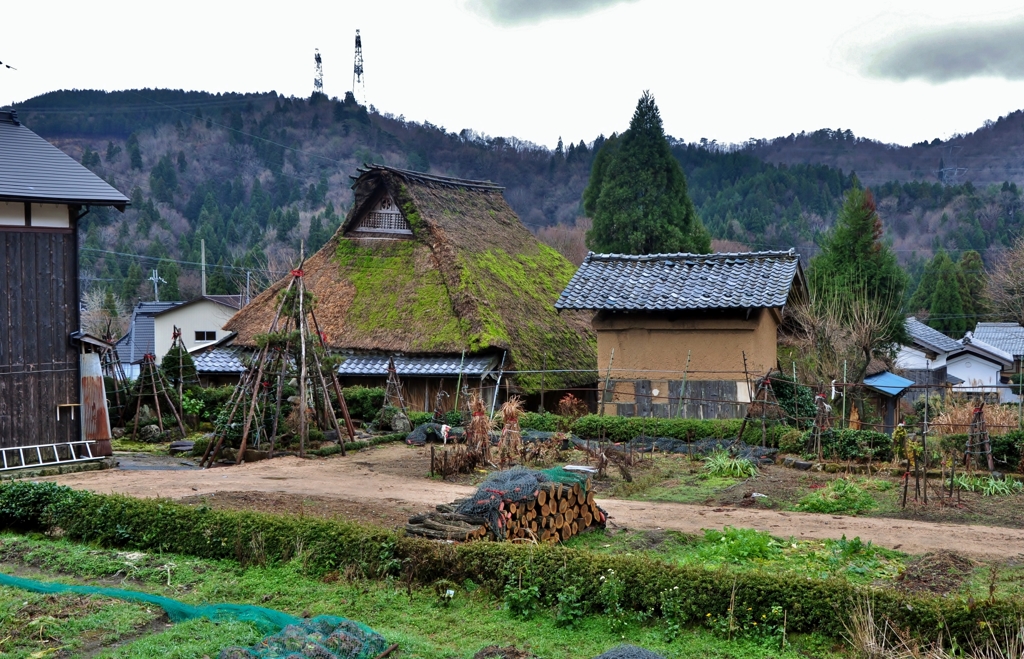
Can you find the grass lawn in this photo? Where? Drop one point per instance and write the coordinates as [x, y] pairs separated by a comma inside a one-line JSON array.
[[423, 625]]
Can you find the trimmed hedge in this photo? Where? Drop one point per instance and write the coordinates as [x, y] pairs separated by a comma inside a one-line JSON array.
[[644, 584], [624, 429]]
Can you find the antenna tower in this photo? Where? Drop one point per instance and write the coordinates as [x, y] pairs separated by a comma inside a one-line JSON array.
[[950, 175], [318, 78], [358, 82]]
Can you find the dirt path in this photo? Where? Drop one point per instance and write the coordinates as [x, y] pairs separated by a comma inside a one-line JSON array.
[[386, 477]]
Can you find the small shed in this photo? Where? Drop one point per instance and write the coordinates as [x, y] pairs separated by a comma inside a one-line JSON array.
[[43, 195], [693, 326], [888, 388]]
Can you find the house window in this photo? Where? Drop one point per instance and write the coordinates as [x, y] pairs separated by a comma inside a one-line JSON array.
[[206, 336], [384, 217]]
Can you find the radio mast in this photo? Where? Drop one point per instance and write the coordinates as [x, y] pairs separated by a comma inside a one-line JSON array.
[[358, 81]]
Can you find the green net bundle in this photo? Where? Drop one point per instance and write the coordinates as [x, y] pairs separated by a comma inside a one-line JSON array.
[[323, 637]]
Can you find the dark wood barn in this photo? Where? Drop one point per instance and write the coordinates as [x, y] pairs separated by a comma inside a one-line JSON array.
[[43, 194]]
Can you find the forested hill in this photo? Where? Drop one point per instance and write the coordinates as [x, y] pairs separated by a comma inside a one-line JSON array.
[[990, 155], [256, 175]]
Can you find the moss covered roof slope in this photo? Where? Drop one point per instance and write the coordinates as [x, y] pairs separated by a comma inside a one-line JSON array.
[[464, 274]]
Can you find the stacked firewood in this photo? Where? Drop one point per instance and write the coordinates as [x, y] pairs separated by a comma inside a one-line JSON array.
[[555, 512]]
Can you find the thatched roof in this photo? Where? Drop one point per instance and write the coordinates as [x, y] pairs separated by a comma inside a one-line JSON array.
[[469, 277]]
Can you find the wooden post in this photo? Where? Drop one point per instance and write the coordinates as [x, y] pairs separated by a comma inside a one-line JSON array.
[[152, 382], [252, 404], [607, 382], [337, 388], [303, 427]]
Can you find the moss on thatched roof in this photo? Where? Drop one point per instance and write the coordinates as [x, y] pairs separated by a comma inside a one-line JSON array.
[[471, 277]]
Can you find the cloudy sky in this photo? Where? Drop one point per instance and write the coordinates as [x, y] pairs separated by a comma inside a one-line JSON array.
[[899, 71]]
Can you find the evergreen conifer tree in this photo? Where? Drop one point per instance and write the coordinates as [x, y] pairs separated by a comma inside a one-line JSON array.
[[637, 195], [854, 261], [946, 310]]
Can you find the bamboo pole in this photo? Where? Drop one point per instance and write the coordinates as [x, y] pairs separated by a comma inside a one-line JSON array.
[[337, 389]]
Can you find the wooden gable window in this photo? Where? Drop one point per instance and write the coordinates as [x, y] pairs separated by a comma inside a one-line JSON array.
[[383, 217]]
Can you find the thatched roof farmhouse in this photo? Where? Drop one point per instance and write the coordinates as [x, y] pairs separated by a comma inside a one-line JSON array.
[[427, 267]]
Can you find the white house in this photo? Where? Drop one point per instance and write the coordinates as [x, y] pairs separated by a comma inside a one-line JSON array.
[[924, 359], [981, 368], [201, 321]]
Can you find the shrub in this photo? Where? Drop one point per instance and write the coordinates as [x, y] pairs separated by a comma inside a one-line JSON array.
[[542, 421], [419, 418], [638, 582], [796, 399], [720, 463], [792, 441], [364, 402], [624, 429], [847, 444], [839, 496]]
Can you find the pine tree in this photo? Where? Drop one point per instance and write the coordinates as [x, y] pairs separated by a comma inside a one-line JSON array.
[[922, 298], [637, 195], [132, 281]]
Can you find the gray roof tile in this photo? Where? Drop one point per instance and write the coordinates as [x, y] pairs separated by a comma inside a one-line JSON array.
[[219, 360], [377, 365], [32, 169], [1005, 336], [133, 346], [929, 337], [651, 282]]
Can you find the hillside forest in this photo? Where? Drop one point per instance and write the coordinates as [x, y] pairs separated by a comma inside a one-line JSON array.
[[260, 177]]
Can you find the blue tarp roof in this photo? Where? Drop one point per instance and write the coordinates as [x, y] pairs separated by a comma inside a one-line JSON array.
[[888, 383]]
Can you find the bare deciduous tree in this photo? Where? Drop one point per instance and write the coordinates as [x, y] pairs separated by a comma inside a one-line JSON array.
[[106, 315], [1005, 288], [850, 328]]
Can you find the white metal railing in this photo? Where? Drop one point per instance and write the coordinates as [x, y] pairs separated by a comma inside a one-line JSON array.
[[46, 455]]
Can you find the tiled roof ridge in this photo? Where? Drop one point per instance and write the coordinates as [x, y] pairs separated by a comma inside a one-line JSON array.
[[594, 256]]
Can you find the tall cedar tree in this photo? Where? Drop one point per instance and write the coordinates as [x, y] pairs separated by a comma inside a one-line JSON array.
[[950, 297], [637, 194], [855, 260]]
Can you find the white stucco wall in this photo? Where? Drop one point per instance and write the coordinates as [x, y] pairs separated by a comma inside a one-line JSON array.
[[979, 376], [911, 358], [204, 316]]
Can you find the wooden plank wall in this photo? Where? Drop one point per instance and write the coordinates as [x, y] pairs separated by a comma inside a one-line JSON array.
[[38, 310], [705, 399]]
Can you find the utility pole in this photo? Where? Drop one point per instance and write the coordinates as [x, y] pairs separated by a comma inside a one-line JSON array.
[[202, 247], [156, 279], [247, 273]]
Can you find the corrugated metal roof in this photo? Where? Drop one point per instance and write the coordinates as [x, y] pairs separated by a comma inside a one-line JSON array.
[[1008, 337], [133, 346], [888, 383], [219, 360], [32, 169], [377, 366], [622, 282], [930, 337]]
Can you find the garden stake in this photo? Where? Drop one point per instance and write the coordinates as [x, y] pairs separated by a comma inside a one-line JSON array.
[[607, 381]]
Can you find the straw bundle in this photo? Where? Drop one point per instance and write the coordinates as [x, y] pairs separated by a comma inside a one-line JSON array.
[[510, 446]]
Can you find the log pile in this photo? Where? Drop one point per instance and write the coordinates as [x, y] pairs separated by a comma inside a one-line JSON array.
[[553, 513]]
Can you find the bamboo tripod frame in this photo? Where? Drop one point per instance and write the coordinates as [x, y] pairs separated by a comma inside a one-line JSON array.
[[249, 390]]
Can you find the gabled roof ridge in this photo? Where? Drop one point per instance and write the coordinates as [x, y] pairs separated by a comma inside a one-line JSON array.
[[422, 177], [594, 256]]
